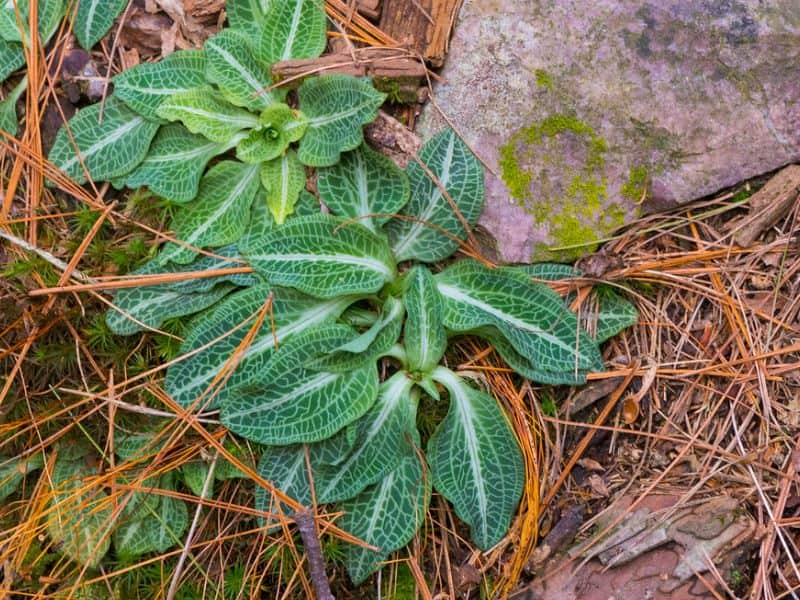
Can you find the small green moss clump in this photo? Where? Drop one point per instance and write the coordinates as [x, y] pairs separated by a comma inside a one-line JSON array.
[[634, 188], [543, 79], [514, 177]]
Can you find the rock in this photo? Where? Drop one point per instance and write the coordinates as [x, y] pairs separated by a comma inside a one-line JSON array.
[[581, 109]]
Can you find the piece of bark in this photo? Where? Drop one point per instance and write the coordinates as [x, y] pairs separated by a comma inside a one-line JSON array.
[[422, 26], [391, 70], [444, 16], [393, 139], [769, 205]]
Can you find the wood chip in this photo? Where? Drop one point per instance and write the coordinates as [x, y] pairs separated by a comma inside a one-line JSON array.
[[422, 26], [769, 205], [392, 70]]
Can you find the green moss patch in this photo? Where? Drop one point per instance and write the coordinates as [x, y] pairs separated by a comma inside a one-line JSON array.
[[570, 199]]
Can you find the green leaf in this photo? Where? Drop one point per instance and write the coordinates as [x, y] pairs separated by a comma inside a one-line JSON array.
[[532, 369], [531, 316], [246, 14], [225, 258], [13, 469], [12, 57], [363, 185], [175, 163], [548, 271], [195, 473], [286, 468], [94, 19], [130, 446], [385, 515], [151, 305], [9, 23], [220, 213], [424, 336], [283, 178], [109, 148], [79, 515], [293, 29], [154, 526], [614, 313], [49, 15], [287, 403], [13, 29], [145, 86], [475, 461], [460, 173], [292, 312], [207, 113], [368, 346], [323, 256], [337, 106], [8, 108], [383, 436], [279, 126], [234, 68], [258, 147], [307, 204]]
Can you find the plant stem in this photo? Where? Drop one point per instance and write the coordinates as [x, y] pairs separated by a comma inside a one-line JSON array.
[[307, 527]]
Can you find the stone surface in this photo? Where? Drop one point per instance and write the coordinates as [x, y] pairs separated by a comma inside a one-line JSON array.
[[578, 108]]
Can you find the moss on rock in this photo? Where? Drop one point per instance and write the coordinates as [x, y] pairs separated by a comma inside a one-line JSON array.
[[568, 193]]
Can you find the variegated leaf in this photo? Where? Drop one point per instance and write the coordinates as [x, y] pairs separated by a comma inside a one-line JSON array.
[[475, 461], [220, 213], [286, 468], [247, 15], [14, 19], [424, 336], [145, 86], [382, 437], [323, 256], [226, 257], [8, 107], [287, 403], [532, 317], [283, 178], [154, 526], [605, 315], [109, 147], [293, 29], [94, 19], [337, 107], [548, 271], [240, 76], [385, 515], [422, 235], [78, 515], [12, 57], [215, 336], [12, 471], [139, 308], [205, 112], [175, 163], [364, 185], [368, 346]]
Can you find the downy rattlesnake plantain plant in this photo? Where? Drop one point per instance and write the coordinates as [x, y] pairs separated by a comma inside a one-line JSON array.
[[360, 318]]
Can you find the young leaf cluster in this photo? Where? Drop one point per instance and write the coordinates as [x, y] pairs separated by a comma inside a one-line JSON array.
[[166, 121]]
